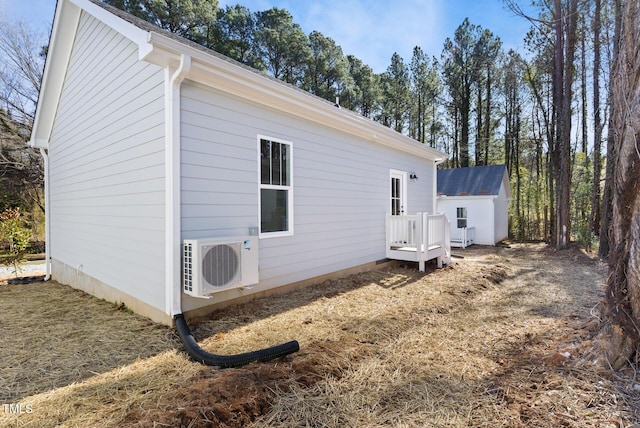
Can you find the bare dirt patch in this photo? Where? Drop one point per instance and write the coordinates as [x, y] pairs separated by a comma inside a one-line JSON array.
[[496, 339]]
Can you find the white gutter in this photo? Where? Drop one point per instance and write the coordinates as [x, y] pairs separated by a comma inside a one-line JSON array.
[[173, 291], [47, 233], [249, 84]]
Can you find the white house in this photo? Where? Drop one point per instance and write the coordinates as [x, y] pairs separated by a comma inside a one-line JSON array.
[[150, 140], [476, 202]]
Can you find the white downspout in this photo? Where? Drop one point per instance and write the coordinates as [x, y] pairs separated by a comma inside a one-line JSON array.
[[173, 291], [436, 162], [47, 233]]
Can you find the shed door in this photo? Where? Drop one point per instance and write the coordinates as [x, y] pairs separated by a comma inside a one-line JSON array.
[[398, 192]]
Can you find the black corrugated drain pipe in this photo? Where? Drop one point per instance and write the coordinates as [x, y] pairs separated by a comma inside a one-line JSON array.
[[228, 361]]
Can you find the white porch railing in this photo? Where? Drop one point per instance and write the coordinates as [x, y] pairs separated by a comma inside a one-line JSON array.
[[419, 238], [463, 237]]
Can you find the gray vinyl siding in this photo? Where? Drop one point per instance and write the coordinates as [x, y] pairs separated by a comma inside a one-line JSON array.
[[341, 186], [107, 199]]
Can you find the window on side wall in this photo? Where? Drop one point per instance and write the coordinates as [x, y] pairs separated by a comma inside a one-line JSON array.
[[461, 214], [276, 191]]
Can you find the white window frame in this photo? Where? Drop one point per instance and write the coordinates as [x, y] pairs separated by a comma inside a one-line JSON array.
[[288, 188], [465, 216]]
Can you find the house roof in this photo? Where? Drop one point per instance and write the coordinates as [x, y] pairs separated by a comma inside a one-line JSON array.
[[160, 47], [474, 181]]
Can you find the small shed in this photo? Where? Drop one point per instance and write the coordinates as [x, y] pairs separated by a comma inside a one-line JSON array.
[[476, 202], [164, 159]]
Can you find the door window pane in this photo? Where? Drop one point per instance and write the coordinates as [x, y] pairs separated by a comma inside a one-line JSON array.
[[396, 196]]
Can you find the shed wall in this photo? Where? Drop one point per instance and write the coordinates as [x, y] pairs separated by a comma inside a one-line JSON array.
[[341, 187], [501, 217], [480, 214], [107, 166]]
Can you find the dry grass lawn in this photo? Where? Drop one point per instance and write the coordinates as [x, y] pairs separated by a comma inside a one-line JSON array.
[[496, 339]]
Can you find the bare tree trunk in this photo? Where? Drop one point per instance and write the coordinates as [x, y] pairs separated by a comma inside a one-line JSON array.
[[622, 311], [479, 127], [607, 197], [464, 126], [594, 218], [558, 70], [456, 137], [566, 24], [487, 121], [518, 177], [583, 93]]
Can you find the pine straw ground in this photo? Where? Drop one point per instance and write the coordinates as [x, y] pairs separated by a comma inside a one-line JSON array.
[[494, 340]]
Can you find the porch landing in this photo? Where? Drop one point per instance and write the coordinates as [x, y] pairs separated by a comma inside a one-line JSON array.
[[418, 238]]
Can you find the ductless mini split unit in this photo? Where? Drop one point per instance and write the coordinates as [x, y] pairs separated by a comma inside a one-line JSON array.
[[218, 264]]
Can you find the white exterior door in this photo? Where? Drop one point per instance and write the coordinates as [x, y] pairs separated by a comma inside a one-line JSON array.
[[398, 192]]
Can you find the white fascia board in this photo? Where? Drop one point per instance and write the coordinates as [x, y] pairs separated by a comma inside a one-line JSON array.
[[63, 33], [507, 186], [65, 24], [126, 29], [237, 80]]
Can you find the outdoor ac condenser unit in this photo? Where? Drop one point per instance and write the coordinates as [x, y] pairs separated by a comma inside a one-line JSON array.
[[218, 264]]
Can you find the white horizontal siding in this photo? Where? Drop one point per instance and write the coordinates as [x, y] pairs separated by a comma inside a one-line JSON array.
[[501, 214], [480, 214], [341, 186], [107, 176]]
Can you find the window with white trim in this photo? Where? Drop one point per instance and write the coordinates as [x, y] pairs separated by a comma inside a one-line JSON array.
[[276, 191], [461, 214]]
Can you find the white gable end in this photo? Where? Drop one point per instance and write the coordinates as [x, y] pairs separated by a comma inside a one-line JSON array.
[[106, 156]]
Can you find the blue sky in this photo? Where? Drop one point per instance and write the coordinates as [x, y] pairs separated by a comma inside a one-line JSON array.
[[372, 30], [38, 13]]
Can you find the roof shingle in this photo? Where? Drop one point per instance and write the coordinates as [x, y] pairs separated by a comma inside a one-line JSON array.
[[472, 181]]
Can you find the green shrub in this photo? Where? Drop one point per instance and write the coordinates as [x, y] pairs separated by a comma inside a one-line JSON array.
[[15, 236]]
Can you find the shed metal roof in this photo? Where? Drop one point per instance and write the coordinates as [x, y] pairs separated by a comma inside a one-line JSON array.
[[471, 181]]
